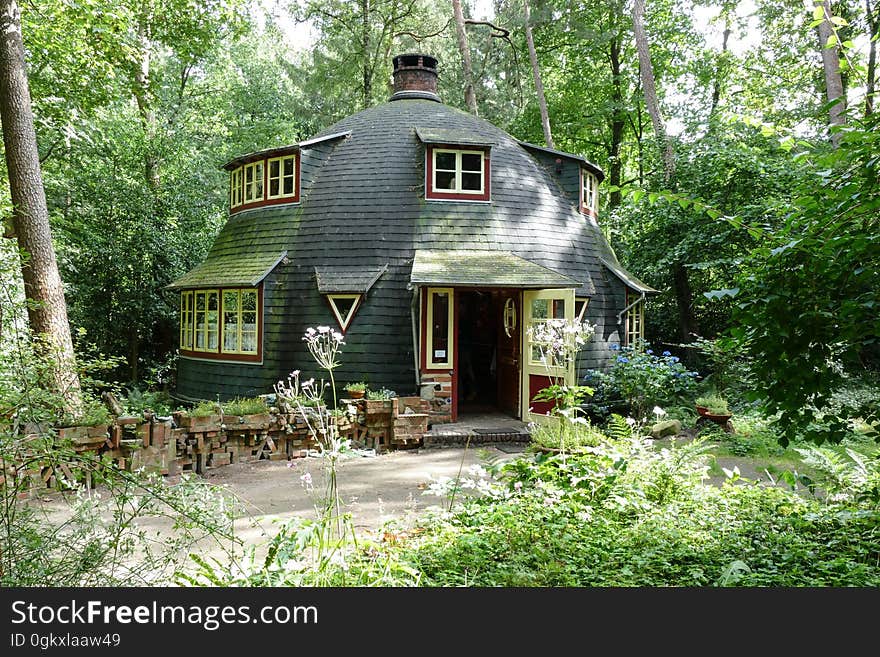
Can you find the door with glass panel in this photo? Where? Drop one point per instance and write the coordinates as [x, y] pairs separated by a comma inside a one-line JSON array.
[[539, 368]]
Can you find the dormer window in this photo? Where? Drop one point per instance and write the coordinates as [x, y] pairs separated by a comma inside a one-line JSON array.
[[272, 179], [457, 174], [589, 193]]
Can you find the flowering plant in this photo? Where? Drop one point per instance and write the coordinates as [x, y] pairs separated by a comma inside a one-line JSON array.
[[643, 379]]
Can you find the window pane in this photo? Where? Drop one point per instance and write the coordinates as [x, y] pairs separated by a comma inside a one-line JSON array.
[[288, 166], [274, 167], [273, 187], [445, 161], [230, 331], [288, 186], [258, 180], [471, 181], [471, 162], [540, 309], [559, 309], [249, 342], [249, 299], [440, 326], [444, 180]]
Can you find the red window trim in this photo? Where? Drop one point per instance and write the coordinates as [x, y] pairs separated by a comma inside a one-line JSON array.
[[585, 209], [456, 196], [286, 200], [219, 355]]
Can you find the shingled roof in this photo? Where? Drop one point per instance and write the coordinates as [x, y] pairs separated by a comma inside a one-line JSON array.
[[484, 269]]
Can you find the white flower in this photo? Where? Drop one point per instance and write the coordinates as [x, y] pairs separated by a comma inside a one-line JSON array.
[[659, 412], [323, 329], [517, 485], [478, 471]]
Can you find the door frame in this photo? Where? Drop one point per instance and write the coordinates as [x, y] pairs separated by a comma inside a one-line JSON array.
[[529, 368]]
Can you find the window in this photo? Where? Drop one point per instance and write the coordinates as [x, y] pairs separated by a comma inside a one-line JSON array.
[[221, 323], [207, 329], [542, 310], [343, 307], [282, 177], [235, 188], [253, 182], [580, 307], [439, 328], [186, 320], [589, 193], [458, 174], [635, 318], [240, 319]]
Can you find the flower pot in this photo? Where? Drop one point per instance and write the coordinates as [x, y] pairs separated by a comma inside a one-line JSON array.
[[355, 394]]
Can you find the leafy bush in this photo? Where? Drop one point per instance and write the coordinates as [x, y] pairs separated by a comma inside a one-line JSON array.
[[137, 401], [566, 435], [644, 380], [622, 514], [251, 406]]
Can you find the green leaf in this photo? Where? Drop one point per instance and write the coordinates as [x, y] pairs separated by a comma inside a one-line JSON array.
[[832, 41], [838, 20], [819, 13]]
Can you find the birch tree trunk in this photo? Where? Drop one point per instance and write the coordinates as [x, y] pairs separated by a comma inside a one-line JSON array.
[[470, 96], [646, 72], [833, 80], [47, 314], [873, 21], [536, 74]]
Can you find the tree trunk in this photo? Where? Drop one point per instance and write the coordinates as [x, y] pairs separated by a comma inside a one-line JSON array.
[[143, 98], [687, 322], [716, 86], [833, 80], [618, 124], [646, 71], [470, 96], [536, 73], [42, 282], [365, 46], [872, 57]]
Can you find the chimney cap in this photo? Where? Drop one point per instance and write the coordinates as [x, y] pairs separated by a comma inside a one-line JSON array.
[[415, 76]]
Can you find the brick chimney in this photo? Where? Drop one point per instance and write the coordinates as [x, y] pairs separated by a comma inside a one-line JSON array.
[[415, 76]]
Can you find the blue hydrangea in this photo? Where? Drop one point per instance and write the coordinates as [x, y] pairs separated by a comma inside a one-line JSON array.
[[622, 359], [675, 359], [615, 347], [650, 352], [667, 353]]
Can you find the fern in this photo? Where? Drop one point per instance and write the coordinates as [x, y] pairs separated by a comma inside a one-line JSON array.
[[618, 428]]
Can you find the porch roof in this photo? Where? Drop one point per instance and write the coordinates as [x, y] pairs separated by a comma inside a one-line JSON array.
[[238, 270], [484, 269]]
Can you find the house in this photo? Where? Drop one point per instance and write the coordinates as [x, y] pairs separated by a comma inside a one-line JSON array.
[[429, 237]]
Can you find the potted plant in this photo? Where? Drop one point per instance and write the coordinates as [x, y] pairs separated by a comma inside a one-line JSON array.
[[713, 408], [356, 390], [381, 402]]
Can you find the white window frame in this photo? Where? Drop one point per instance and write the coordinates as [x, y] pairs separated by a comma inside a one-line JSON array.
[[281, 177], [259, 165], [239, 324], [187, 320], [346, 320], [589, 191], [235, 192], [458, 171], [635, 322], [430, 362], [206, 293]]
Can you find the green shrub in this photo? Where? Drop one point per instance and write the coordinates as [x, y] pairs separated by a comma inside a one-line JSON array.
[[356, 386], [137, 401], [565, 434]]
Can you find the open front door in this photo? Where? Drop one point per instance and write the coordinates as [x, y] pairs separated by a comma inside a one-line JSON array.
[[538, 307]]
